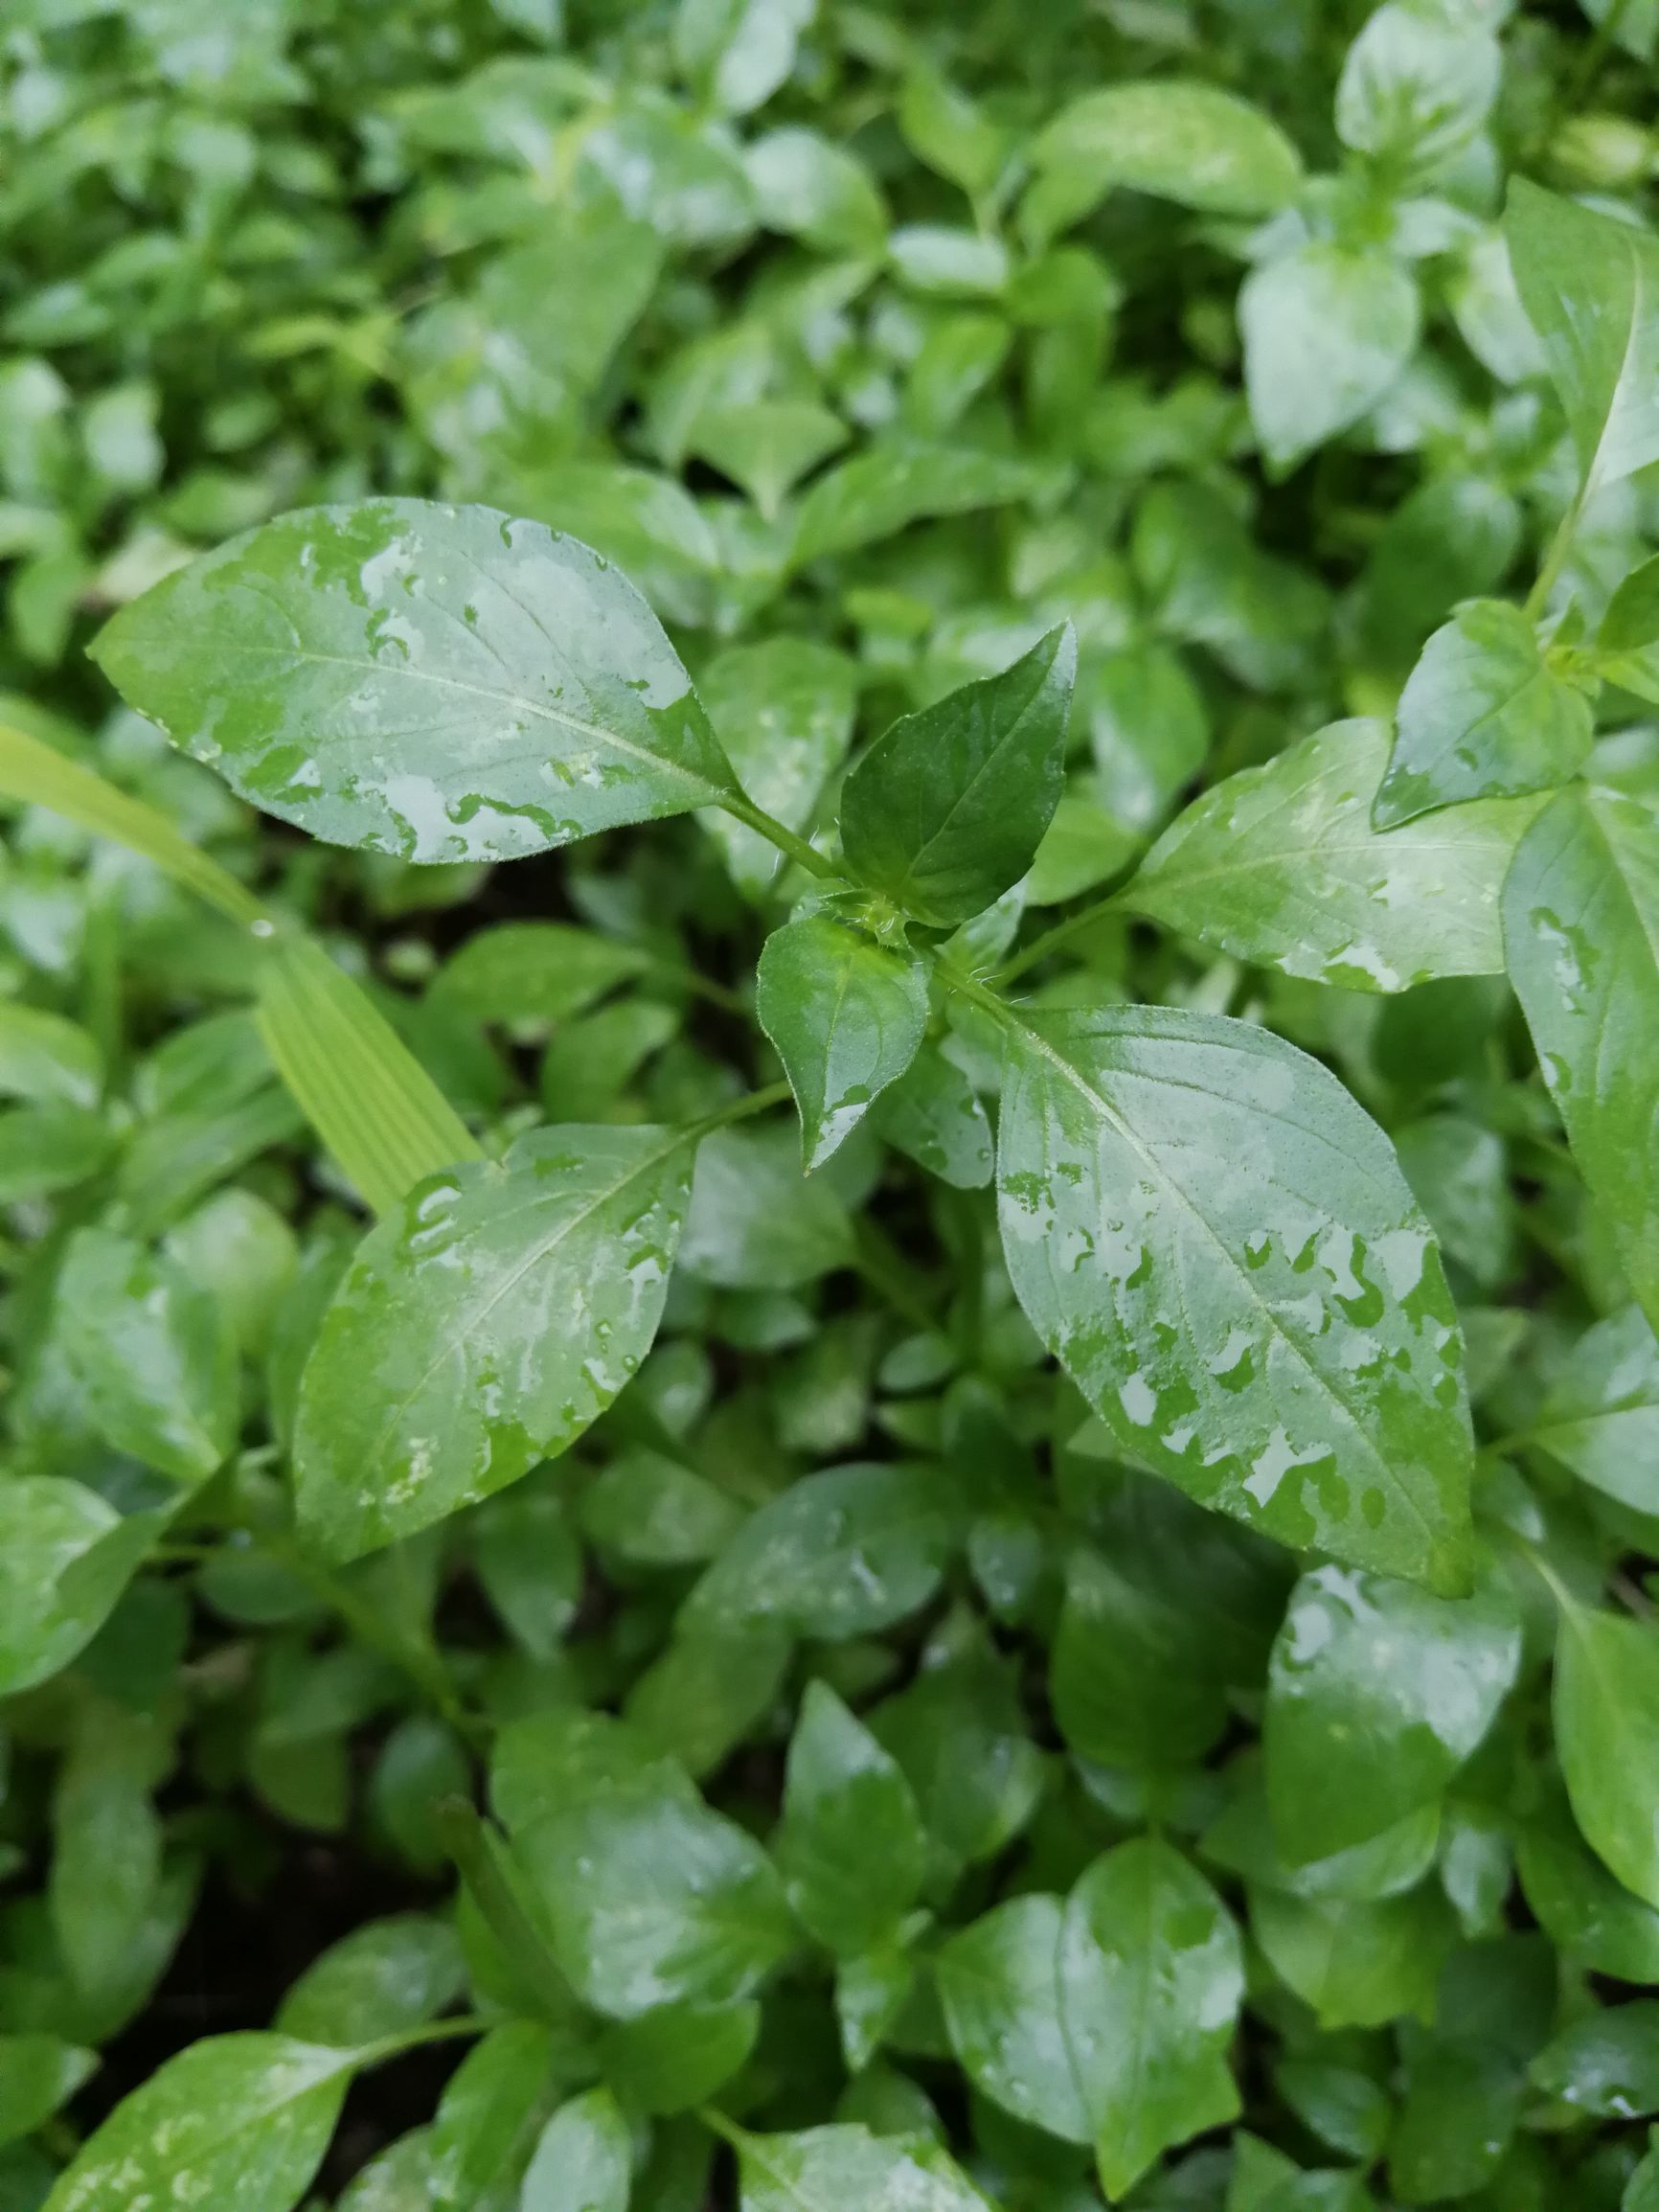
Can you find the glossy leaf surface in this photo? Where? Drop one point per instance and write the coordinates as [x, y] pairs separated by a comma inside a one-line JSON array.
[[846, 1016]]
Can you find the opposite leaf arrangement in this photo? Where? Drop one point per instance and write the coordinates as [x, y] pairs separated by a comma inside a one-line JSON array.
[[864, 1704]]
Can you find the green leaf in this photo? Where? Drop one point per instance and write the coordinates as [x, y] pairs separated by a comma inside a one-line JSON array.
[[1216, 1243], [850, 1847], [1152, 1975], [831, 2168], [999, 1982], [1417, 85], [1190, 143], [482, 1326], [1601, 1416], [527, 974], [898, 479], [366, 1095], [37, 2074], [491, 2111], [756, 1221], [649, 1509], [1357, 1964], [739, 52], [948, 807], [676, 2055], [1581, 913], [1606, 1716], [1129, 1678], [807, 186], [1592, 1918], [1327, 330], [1642, 2191], [1378, 1693], [650, 1898], [1483, 715], [64, 1557], [47, 1060], [1607, 2063], [1279, 865], [1629, 630], [841, 1552], [584, 2160], [846, 1016], [150, 1352], [240, 2120], [438, 682], [384, 1976], [1590, 286], [933, 1114]]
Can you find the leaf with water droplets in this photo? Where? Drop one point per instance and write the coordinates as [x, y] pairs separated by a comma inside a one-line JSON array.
[[1581, 913], [240, 2120], [1590, 286], [1483, 715], [1152, 1975], [483, 1325], [1377, 1693], [837, 2169], [846, 1016], [1607, 2063], [1601, 1415], [1217, 1245], [948, 807], [852, 1844], [443, 683], [999, 1984], [1279, 865]]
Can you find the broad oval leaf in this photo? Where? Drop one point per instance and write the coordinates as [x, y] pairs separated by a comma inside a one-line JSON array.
[[783, 711], [1606, 1715], [482, 1326], [900, 479], [1326, 330], [386, 1975], [998, 1981], [1606, 2063], [1581, 911], [240, 2120], [444, 683], [1377, 1694], [1194, 144], [948, 807], [584, 2160], [833, 2169], [841, 1552], [1279, 865], [757, 1223], [852, 1844], [1483, 715], [1590, 286], [1217, 1245], [1152, 1975], [846, 1016]]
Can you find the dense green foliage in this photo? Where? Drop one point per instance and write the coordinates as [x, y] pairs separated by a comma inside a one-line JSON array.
[[832, 1131]]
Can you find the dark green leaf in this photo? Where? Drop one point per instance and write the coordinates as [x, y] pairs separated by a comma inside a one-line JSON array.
[[846, 1016], [851, 1845]]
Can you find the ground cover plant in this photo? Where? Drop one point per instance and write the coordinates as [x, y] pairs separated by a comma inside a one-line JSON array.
[[830, 1025]]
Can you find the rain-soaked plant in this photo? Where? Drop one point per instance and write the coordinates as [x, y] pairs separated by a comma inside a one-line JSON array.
[[979, 1496]]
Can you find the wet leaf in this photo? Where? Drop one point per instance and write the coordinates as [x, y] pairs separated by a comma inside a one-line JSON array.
[[846, 1016]]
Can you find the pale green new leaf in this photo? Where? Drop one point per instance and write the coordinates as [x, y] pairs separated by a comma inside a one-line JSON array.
[[584, 2160], [1581, 913], [444, 683], [833, 2169], [1483, 715], [846, 1016], [1590, 286], [998, 1980], [482, 1326], [1217, 1245], [1279, 865], [1190, 143], [897, 479], [1327, 330], [238, 2120]]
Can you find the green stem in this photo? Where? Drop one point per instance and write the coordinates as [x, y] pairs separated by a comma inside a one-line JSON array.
[[976, 994], [1555, 559], [701, 985], [475, 1850], [1595, 54], [1051, 938], [780, 833], [442, 2031], [422, 1662], [754, 1101]]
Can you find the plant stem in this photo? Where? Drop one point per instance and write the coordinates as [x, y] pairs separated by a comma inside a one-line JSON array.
[[780, 833], [442, 2031], [1595, 54], [753, 1102], [1051, 938], [473, 1847], [701, 985], [891, 1275], [1555, 559]]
